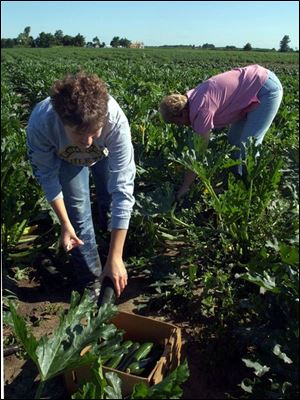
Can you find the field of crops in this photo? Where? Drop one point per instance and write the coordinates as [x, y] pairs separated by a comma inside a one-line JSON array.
[[224, 262]]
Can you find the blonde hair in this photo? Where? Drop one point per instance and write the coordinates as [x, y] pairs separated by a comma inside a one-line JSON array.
[[172, 106]]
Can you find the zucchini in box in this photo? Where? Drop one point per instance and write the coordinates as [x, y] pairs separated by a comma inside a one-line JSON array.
[[139, 329]]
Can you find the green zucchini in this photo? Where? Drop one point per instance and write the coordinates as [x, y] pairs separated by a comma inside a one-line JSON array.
[[129, 357], [138, 367], [134, 369], [115, 361], [126, 344], [143, 351]]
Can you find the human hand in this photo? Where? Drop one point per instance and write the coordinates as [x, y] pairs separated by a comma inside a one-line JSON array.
[[68, 238], [116, 271]]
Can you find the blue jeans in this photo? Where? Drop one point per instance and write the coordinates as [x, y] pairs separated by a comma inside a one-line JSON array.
[[76, 190], [257, 122]]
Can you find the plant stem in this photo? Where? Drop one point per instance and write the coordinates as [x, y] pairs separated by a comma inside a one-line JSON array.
[[250, 199], [215, 197], [39, 390]]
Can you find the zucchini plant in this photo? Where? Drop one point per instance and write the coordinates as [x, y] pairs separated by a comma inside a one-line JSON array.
[[80, 327]]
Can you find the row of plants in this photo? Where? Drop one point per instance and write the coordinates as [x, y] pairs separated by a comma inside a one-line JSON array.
[[235, 242], [241, 247]]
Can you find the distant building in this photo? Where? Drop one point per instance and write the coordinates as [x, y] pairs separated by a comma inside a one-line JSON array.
[[137, 45]]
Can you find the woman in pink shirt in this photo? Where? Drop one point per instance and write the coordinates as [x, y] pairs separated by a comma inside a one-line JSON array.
[[245, 99]]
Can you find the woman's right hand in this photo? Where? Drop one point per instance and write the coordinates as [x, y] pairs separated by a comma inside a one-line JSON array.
[[68, 238]]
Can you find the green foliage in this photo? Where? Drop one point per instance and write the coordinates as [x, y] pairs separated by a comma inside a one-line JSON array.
[[227, 255], [17, 205], [284, 44], [108, 385], [274, 336], [247, 47], [169, 388], [100, 386], [80, 327]]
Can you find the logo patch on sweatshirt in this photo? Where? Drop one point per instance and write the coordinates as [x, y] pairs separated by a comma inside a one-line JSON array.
[[83, 157]]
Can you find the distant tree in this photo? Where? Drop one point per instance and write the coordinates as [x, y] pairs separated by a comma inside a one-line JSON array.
[[284, 44], [45, 40], [230, 47], [31, 41], [27, 31], [125, 42], [23, 39], [67, 40], [96, 42], [79, 40], [115, 41], [6, 43], [247, 47], [208, 46], [59, 35]]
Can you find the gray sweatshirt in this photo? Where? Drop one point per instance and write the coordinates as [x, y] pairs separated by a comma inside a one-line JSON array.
[[48, 144]]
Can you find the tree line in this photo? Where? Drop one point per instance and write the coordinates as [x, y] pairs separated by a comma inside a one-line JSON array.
[[24, 39], [283, 46]]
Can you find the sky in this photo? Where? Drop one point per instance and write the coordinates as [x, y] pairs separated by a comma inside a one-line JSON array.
[[222, 23]]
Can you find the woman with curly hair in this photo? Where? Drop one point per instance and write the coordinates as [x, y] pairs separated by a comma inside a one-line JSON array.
[[246, 99], [80, 128]]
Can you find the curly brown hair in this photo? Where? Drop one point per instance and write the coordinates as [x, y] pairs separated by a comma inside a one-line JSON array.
[[80, 100]]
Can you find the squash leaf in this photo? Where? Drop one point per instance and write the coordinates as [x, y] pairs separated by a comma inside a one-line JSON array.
[[78, 328]]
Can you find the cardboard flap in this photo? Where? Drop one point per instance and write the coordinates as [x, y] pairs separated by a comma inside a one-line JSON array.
[[160, 371], [170, 358]]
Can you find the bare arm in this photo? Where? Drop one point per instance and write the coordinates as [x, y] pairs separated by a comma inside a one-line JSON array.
[[114, 267], [68, 237]]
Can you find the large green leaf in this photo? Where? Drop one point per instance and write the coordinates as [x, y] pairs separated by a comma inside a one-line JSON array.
[[263, 279], [62, 350], [26, 338], [78, 328], [157, 202]]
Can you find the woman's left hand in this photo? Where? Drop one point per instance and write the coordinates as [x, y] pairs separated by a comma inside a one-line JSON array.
[[116, 271]]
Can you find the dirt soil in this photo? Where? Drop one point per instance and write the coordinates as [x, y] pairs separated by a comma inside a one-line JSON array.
[[41, 300]]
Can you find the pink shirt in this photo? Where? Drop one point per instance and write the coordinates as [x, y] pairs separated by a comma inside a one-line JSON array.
[[225, 98]]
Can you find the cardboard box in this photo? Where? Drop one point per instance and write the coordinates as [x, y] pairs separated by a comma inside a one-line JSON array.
[[140, 329]]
